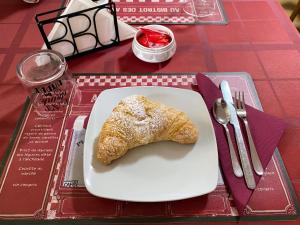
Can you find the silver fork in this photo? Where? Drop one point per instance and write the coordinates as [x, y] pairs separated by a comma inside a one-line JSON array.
[[241, 112]]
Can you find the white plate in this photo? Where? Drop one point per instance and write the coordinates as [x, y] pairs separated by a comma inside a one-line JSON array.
[[162, 171]]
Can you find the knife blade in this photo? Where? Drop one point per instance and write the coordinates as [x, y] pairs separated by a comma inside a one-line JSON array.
[[248, 173]]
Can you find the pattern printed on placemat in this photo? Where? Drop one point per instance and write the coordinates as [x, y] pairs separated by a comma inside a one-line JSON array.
[[53, 203], [135, 80], [165, 12], [157, 19], [169, 12]]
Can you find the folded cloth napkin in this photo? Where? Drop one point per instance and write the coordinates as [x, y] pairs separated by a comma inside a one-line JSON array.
[[265, 141], [104, 26]]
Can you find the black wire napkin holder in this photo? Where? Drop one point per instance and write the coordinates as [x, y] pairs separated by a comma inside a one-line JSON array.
[[64, 20]]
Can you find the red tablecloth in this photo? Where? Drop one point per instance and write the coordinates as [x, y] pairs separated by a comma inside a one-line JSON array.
[[259, 39]]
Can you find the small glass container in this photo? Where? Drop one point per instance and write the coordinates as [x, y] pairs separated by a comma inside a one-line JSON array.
[[31, 1], [45, 76]]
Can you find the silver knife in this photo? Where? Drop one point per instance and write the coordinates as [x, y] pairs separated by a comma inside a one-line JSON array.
[[248, 173]]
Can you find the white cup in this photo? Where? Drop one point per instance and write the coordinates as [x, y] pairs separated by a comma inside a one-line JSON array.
[[154, 55]]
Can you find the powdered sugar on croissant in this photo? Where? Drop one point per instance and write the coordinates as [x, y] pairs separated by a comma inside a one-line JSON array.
[[136, 121]]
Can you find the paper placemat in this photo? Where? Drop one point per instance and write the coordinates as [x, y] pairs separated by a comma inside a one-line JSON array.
[[42, 178], [168, 12]]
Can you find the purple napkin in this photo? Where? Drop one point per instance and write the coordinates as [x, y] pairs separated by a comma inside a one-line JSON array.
[[265, 129]]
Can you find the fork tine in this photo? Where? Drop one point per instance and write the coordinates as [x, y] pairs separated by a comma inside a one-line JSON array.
[[239, 100], [235, 100], [243, 101]]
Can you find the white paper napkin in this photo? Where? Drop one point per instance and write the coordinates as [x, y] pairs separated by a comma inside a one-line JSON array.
[[104, 27]]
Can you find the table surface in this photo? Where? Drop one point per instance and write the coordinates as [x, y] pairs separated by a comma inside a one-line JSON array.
[[259, 39]]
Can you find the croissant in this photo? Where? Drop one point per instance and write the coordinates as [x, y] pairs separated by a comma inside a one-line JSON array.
[[136, 121]]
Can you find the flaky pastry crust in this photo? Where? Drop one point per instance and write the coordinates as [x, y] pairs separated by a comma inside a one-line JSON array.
[[137, 121]]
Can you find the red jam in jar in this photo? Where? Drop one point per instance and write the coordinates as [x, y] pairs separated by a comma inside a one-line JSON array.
[[153, 38]]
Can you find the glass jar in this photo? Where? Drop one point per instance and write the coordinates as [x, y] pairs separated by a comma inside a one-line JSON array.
[[31, 1], [44, 74]]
